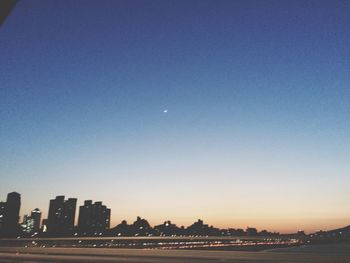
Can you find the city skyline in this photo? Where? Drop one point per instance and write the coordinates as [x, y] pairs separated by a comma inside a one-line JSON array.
[[79, 218], [92, 219], [235, 112]]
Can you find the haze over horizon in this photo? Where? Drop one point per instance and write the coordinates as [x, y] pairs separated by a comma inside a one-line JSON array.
[[235, 112]]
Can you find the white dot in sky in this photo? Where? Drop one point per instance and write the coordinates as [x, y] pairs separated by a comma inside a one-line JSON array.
[[165, 111]]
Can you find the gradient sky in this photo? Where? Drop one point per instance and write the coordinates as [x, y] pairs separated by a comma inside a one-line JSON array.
[[257, 131]]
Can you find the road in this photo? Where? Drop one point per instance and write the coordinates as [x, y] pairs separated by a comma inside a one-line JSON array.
[[320, 255]]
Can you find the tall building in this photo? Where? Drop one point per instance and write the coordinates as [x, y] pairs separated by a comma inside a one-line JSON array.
[[31, 224], [2, 215], [94, 218], [60, 221], [36, 216], [11, 214]]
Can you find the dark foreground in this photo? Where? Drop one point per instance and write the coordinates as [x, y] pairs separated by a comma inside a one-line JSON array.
[[317, 253]]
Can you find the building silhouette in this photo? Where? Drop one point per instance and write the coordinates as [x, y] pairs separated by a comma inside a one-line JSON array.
[[10, 226], [251, 231], [94, 218], [122, 229], [31, 224], [60, 221], [168, 229], [140, 227], [2, 215], [36, 216], [200, 229]]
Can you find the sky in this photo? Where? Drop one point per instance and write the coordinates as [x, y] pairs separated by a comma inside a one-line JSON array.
[[235, 112]]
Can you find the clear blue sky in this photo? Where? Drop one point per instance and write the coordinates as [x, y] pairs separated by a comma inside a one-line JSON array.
[[258, 98]]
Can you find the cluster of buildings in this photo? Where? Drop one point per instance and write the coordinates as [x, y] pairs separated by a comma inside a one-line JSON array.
[[94, 220]]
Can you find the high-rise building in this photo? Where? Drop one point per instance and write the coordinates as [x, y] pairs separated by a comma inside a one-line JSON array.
[[36, 215], [11, 214], [26, 223], [94, 218], [31, 224], [60, 221], [2, 215]]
